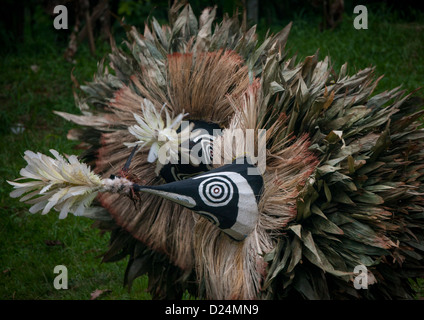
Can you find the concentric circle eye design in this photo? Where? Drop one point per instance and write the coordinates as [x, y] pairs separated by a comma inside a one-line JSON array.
[[216, 191]]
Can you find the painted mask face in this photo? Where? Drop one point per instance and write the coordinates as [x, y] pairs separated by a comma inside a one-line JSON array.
[[227, 196], [200, 147]]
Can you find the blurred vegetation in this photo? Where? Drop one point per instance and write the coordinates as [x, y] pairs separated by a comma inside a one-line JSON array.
[[35, 80]]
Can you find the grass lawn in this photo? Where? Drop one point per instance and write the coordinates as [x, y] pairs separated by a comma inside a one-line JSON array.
[[32, 245]]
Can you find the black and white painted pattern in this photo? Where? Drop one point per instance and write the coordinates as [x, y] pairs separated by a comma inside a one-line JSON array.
[[200, 147], [227, 196]]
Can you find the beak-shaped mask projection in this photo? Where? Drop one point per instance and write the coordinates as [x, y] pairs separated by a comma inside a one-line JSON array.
[[226, 196]]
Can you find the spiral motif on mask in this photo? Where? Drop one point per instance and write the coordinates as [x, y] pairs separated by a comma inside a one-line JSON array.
[[205, 154], [207, 147], [216, 191]]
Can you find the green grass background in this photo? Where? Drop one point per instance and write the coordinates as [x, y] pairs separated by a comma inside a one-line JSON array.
[[27, 258]]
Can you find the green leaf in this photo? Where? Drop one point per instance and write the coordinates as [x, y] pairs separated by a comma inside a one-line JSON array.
[[327, 192], [323, 170], [297, 230], [368, 167], [318, 211], [278, 266], [378, 188], [318, 258], [363, 233], [363, 249], [303, 285], [309, 243], [382, 143], [296, 249], [341, 197], [339, 218], [351, 164], [326, 226], [306, 197], [369, 197], [276, 87]]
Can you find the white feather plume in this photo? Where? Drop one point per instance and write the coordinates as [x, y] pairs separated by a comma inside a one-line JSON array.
[[67, 185], [160, 135]]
